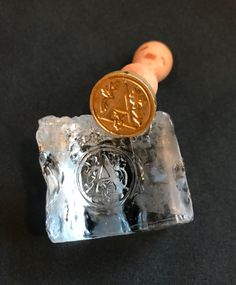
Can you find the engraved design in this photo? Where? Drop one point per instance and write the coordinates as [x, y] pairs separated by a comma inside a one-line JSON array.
[[123, 109], [103, 176], [122, 104]]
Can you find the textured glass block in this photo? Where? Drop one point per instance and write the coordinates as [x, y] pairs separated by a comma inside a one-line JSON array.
[[99, 186]]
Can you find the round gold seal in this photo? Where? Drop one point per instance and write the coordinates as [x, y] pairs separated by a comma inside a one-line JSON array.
[[123, 104]]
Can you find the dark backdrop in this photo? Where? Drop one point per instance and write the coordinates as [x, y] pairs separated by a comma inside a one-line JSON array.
[[51, 54]]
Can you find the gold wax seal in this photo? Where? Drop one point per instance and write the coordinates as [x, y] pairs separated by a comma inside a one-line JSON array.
[[123, 104]]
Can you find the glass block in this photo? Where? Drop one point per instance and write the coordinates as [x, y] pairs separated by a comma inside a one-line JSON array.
[[100, 186]]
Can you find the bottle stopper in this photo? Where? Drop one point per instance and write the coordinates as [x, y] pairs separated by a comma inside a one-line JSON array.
[[124, 102]]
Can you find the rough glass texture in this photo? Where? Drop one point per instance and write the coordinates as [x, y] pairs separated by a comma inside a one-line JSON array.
[[99, 186]]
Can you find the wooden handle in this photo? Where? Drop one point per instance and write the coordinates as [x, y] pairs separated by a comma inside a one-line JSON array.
[[153, 61]]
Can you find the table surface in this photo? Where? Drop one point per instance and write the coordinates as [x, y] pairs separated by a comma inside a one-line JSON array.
[[51, 54]]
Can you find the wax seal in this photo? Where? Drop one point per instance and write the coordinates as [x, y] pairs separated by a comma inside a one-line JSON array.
[[123, 104]]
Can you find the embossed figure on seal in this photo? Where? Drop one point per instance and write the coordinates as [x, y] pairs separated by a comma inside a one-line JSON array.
[[122, 104], [125, 108], [103, 176]]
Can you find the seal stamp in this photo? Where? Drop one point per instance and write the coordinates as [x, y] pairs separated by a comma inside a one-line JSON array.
[[119, 171], [106, 176], [123, 104]]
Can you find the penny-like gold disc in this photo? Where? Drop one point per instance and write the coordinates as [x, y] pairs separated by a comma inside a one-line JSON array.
[[123, 104]]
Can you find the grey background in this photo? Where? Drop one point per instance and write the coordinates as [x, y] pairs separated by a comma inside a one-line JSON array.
[[51, 54]]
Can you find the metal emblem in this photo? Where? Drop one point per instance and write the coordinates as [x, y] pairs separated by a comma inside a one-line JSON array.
[[123, 104]]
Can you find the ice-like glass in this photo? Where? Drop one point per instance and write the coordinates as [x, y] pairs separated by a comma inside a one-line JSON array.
[[99, 186]]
